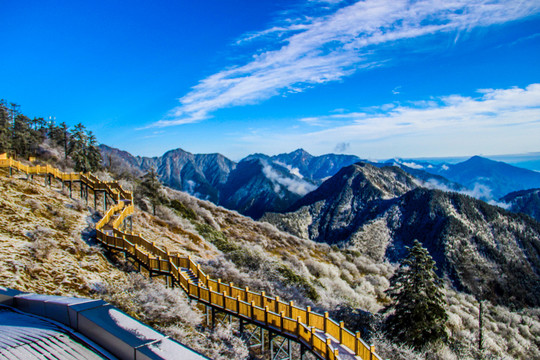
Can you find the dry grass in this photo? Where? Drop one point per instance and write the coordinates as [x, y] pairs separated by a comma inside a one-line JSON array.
[[45, 249], [41, 246]]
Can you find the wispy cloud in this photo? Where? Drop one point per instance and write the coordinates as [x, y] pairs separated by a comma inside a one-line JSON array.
[[332, 40], [294, 184], [504, 120]]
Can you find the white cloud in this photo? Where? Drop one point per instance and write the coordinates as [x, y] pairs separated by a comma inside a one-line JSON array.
[[294, 185], [294, 171], [479, 191], [315, 49], [497, 121], [413, 165]]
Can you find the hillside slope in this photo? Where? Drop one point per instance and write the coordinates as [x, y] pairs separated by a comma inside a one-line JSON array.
[[45, 243], [256, 185], [238, 249], [47, 247]]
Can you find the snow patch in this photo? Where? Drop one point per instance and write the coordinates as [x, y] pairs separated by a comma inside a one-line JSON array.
[[133, 326]]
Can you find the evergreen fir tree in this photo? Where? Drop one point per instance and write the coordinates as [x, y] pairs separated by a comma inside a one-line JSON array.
[[83, 149], [22, 136], [61, 136], [5, 128], [417, 312], [94, 154]]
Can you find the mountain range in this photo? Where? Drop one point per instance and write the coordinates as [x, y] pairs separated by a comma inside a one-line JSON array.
[[260, 183], [253, 186], [480, 177]]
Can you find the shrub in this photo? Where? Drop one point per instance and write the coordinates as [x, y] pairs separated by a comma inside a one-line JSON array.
[[182, 210], [246, 258], [42, 242], [299, 281], [216, 237]]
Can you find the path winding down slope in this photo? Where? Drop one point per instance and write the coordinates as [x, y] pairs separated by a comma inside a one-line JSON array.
[[322, 335]]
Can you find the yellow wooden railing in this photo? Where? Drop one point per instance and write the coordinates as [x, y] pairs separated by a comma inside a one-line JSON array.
[[312, 329]]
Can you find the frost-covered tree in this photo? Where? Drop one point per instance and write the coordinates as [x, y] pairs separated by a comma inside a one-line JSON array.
[[151, 188], [417, 314]]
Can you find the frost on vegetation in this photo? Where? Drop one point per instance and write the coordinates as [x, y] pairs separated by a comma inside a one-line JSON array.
[[42, 242], [172, 313], [507, 334], [265, 259], [277, 277], [34, 205], [219, 344], [171, 217], [104, 175], [79, 205], [152, 302]]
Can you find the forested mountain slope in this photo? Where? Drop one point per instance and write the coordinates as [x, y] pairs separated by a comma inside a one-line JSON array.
[[481, 248]]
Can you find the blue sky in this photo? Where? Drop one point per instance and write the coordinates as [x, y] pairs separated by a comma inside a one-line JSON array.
[[374, 78]]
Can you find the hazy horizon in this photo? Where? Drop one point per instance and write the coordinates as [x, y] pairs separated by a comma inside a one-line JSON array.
[[529, 161]]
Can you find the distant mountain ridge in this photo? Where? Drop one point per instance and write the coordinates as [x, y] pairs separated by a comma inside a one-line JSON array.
[[305, 165], [285, 178], [198, 174], [484, 178]]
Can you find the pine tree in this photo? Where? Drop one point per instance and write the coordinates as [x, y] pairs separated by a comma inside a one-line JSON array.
[[23, 140], [5, 128], [417, 312], [83, 149], [93, 152], [62, 138]]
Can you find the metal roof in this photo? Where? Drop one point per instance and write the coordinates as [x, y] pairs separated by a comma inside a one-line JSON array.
[[25, 336]]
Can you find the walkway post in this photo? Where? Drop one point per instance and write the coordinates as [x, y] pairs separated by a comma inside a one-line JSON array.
[[325, 321]]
